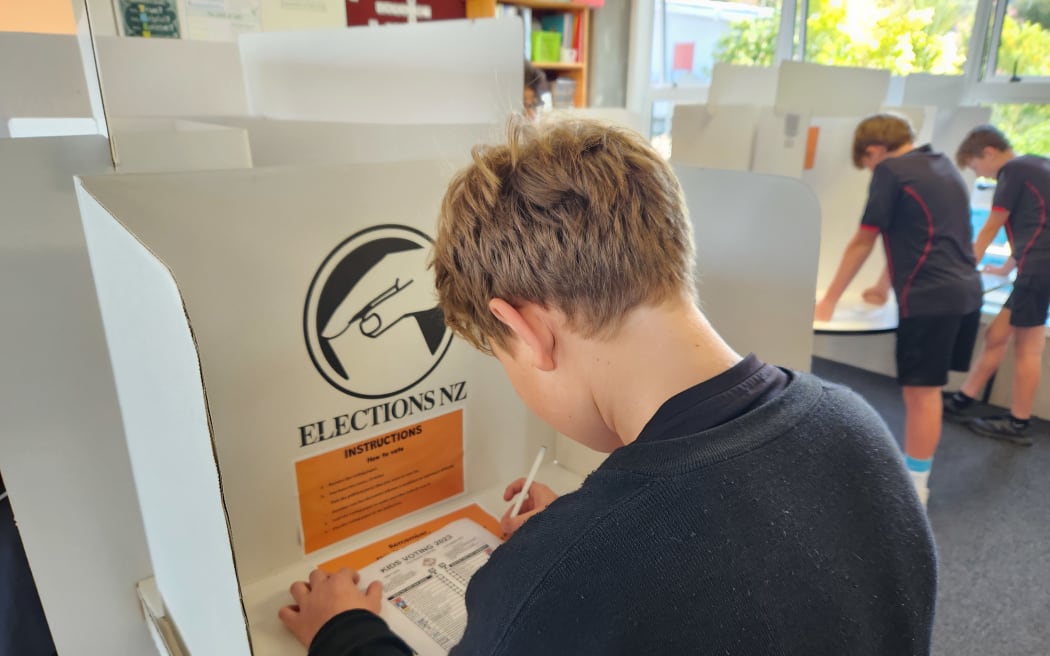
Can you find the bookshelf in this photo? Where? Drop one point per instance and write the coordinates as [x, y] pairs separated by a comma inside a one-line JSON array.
[[577, 70]]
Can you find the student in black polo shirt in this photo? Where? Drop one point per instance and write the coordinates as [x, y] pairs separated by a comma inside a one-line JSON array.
[[1020, 203], [919, 203]]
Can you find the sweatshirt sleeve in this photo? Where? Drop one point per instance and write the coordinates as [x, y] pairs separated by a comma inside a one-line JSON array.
[[357, 633]]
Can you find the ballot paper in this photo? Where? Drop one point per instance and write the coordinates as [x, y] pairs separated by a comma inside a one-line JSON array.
[[424, 584]]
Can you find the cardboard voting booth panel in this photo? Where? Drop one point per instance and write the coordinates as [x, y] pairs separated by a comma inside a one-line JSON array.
[[41, 76], [170, 78], [278, 142], [276, 342], [160, 144], [716, 137], [781, 142], [441, 72], [734, 84], [830, 90], [62, 448], [615, 115]]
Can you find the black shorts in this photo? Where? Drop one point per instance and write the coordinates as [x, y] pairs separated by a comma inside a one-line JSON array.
[[928, 347], [1029, 301]]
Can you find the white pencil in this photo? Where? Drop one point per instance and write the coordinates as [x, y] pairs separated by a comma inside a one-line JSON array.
[[528, 481]]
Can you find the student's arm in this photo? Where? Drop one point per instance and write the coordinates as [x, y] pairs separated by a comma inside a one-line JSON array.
[[857, 251], [332, 617], [996, 220], [880, 292]]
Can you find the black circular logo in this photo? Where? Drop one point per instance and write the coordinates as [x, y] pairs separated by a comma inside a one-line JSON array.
[[371, 322]]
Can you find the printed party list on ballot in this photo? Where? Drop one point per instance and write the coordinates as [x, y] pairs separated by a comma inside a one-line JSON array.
[[425, 582]]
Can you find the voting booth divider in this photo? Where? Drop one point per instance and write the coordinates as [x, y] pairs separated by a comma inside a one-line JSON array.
[[274, 334], [62, 447]]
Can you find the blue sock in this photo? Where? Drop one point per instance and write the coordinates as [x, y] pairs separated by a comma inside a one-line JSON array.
[[920, 473], [918, 466]]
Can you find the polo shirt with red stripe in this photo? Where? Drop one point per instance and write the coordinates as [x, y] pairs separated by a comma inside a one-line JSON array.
[[919, 202], [1023, 190]]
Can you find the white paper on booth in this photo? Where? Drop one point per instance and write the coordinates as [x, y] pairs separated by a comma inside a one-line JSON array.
[[425, 584]]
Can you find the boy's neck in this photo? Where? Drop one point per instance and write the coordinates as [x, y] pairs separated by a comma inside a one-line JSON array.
[[657, 353], [906, 148]]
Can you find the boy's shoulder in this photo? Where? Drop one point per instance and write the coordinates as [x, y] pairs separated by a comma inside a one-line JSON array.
[[1028, 165]]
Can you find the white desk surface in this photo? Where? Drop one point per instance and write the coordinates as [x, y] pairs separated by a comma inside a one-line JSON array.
[[854, 316], [264, 598]]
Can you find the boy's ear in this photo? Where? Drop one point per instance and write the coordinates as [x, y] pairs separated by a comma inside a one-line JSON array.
[[989, 151], [530, 328]]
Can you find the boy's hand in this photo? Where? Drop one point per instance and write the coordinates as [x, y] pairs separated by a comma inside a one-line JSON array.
[[323, 597], [876, 295], [1002, 270], [540, 496], [824, 310]]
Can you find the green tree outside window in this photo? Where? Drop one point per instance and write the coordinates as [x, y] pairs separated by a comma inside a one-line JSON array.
[[913, 36]]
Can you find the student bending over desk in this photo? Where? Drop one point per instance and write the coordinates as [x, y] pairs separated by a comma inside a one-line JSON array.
[[744, 509], [1021, 195], [919, 204]]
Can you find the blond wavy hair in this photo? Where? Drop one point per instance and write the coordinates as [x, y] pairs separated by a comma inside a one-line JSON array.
[[576, 215]]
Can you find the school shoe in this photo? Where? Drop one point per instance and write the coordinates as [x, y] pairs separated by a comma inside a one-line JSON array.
[[958, 412], [1002, 427]]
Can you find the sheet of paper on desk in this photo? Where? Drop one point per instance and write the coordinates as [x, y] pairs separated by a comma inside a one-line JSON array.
[[424, 584]]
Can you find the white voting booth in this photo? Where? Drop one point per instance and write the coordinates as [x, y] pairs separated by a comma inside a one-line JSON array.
[[283, 142], [62, 446], [210, 286], [43, 91], [440, 72]]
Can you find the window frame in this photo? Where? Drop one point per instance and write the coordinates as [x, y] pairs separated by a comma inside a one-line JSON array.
[[981, 84]]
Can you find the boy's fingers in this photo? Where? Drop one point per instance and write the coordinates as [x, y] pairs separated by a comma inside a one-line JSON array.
[[299, 590], [318, 576], [374, 596], [512, 489], [288, 615]]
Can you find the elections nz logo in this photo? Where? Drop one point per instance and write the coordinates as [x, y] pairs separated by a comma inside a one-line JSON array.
[[371, 321]]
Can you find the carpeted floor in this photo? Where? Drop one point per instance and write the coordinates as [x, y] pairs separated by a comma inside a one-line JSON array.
[[990, 511]]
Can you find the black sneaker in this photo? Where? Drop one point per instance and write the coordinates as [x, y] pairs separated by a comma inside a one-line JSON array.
[[1002, 427], [959, 412]]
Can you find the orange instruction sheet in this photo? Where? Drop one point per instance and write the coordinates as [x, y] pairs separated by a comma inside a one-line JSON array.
[[365, 484], [364, 556]]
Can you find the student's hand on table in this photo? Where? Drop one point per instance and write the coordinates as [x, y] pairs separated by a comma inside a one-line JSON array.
[[540, 496], [876, 295], [323, 597], [1002, 270], [824, 310]]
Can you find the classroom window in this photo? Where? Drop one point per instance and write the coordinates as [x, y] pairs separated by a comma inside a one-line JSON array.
[[1026, 126], [1024, 40], [689, 36], [902, 36]]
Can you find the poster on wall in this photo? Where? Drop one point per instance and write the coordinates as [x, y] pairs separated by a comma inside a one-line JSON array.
[[154, 19], [222, 20], [376, 12]]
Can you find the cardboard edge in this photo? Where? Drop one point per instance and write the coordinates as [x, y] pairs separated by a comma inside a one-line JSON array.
[[80, 187]]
